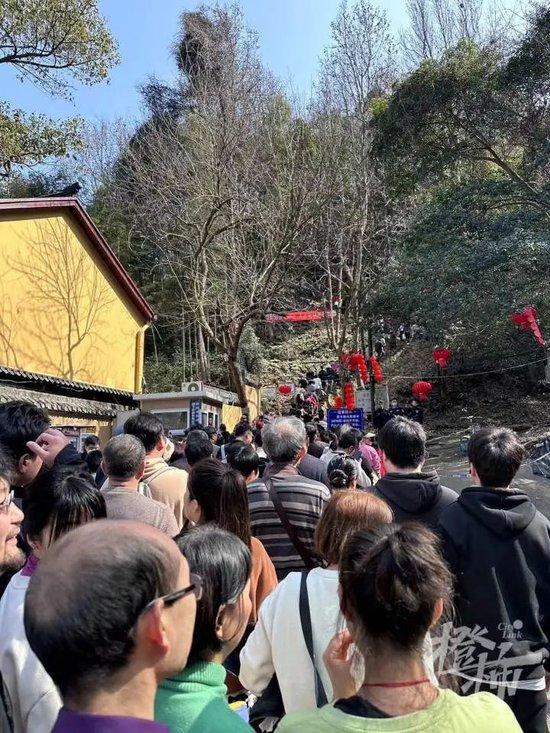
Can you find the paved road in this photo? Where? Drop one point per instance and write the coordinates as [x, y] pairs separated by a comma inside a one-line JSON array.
[[445, 457]]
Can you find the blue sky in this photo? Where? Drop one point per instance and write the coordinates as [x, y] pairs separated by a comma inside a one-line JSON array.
[[292, 34]]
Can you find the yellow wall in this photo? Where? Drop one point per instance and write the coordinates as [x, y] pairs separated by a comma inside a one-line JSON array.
[[63, 313], [231, 414]]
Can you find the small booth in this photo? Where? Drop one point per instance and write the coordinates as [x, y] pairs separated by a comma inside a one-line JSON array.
[[197, 404]]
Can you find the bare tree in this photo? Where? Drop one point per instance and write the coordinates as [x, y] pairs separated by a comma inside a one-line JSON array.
[[357, 69], [226, 192]]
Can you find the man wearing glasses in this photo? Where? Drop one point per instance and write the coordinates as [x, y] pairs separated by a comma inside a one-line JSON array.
[[12, 556], [110, 613]]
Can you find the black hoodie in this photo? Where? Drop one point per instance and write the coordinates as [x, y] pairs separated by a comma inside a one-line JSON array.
[[498, 546], [415, 496]]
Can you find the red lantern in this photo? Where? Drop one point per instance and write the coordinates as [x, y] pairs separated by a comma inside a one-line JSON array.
[[422, 390], [376, 369], [442, 356], [349, 395], [338, 402], [284, 389]]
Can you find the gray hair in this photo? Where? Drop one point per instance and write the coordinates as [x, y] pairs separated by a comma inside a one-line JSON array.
[[283, 439], [123, 455]]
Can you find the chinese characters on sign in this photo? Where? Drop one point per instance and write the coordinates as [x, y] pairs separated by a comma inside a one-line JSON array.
[[342, 416]]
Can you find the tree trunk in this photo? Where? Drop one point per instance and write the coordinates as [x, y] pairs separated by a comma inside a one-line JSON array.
[[236, 379], [204, 367]]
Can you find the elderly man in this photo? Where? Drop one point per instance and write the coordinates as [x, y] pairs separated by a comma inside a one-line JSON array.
[[110, 613], [285, 506], [124, 465]]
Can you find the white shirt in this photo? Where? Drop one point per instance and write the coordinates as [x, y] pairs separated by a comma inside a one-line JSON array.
[[277, 643], [30, 691]]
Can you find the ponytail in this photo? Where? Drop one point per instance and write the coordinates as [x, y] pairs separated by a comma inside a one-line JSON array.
[[392, 578]]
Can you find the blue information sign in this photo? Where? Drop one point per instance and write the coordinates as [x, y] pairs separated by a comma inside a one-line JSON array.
[[343, 416], [195, 412]]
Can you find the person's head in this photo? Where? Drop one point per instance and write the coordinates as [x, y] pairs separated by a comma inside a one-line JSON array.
[[197, 446], [342, 472], [347, 512], [12, 556], [124, 458], [258, 442], [368, 438], [394, 403], [394, 586], [349, 441], [217, 493], [495, 455], [103, 609], [60, 501], [311, 432], [403, 445], [223, 428], [285, 440], [223, 612], [243, 432], [148, 428], [21, 422], [212, 433], [414, 403], [247, 462], [93, 461], [91, 442]]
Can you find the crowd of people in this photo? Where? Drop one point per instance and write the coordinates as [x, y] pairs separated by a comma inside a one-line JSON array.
[[278, 577]]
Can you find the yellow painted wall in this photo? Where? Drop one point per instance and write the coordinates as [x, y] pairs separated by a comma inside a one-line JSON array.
[[231, 414], [62, 312]]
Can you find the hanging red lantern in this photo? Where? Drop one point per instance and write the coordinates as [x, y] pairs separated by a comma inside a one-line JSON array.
[[338, 402], [376, 369], [349, 395], [442, 356], [422, 390], [284, 389]]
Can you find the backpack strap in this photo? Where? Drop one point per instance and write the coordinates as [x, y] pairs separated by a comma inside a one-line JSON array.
[[304, 552], [305, 619]]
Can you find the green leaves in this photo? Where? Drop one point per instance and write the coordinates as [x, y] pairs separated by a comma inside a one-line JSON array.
[[30, 139], [53, 44]]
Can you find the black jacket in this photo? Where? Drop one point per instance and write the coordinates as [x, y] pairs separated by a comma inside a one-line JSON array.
[[415, 496], [498, 546]]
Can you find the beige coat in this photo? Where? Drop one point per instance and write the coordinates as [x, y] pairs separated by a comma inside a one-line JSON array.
[[167, 484]]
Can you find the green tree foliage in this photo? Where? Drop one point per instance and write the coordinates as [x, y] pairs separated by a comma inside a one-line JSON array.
[[465, 267], [473, 109], [53, 44]]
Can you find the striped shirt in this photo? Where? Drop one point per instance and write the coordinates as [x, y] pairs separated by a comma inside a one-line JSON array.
[[303, 501]]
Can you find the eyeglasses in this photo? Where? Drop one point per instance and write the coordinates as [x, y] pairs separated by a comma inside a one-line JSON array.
[[170, 598], [5, 505]]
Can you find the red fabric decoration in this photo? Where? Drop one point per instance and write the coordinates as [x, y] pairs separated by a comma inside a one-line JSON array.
[[338, 402], [442, 356], [376, 369], [284, 389], [349, 395], [422, 390], [528, 320]]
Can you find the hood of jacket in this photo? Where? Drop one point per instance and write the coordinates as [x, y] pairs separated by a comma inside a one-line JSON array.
[[506, 512], [415, 493]]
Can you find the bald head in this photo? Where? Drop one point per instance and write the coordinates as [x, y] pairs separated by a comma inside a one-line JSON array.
[[86, 596]]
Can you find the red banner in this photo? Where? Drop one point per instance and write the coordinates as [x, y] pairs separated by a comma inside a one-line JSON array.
[[298, 316]]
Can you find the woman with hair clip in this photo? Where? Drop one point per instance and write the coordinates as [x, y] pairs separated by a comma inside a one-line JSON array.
[[57, 502], [278, 644], [217, 493], [342, 472], [195, 699], [394, 588]]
